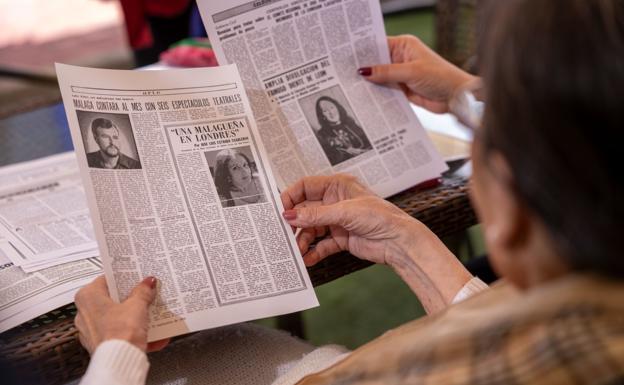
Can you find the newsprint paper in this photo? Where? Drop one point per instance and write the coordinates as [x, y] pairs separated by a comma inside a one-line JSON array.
[[43, 213], [42, 204], [316, 115], [179, 187], [24, 296]]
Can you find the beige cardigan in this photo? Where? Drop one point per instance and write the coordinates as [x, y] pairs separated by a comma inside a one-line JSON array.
[[569, 331]]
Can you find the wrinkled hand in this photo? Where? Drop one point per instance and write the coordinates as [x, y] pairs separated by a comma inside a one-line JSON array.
[[348, 216], [425, 77], [99, 318]]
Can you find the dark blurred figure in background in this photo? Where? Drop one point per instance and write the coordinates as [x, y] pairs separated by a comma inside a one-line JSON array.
[[153, 25]]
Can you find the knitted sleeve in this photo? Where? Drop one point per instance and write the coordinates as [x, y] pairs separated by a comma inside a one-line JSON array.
[[116, 362], [472, 287]]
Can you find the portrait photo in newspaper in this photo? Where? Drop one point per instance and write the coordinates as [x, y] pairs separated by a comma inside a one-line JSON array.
[[235, 175], [329, 114], [108, 140]]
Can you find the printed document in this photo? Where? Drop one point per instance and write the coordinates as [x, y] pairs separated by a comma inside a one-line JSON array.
[[42, 207], [316, 115], [178, 185]]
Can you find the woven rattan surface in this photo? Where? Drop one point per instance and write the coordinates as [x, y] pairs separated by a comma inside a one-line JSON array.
[[47, 350]]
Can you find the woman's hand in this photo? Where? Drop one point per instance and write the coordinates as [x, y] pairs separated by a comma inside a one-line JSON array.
[[425, 77], [99, 318], [349, 216]]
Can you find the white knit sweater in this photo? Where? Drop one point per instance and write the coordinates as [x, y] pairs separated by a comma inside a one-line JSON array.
[[116, 362]]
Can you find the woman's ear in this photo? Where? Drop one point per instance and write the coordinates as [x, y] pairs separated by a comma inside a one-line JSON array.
[[510, 218], [520, 246], [506, 221]]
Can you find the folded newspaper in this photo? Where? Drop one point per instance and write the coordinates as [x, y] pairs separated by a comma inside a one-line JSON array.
[[177, 163], [43, 208], [43, 213]]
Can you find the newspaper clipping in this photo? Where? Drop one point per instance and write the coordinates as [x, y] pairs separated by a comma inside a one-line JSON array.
[[43, 208], [316, 115], [44, 214], [179, 188], [24, 296]]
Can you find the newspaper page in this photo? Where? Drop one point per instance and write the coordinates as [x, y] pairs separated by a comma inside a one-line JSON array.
[[46, 198], [316, 115], [24, 296], [179, 187], [34, 170], [43, 213]]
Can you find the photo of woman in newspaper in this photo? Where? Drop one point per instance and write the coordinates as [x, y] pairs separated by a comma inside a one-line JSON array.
[[340, 136], [235, 177]]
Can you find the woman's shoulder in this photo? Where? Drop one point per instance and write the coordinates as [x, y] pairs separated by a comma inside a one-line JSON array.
[[504, 334]]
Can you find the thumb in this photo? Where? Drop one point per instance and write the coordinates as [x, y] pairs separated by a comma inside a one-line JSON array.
[[392, 73], [144, 292], [313, 216]]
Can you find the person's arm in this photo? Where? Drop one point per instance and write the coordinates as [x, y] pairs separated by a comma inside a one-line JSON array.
[[115, 334], [429, 268], [348, 216], [116, 362]]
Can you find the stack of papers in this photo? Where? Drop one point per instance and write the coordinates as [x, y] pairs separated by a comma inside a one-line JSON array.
[[47, 247], [44, 218]]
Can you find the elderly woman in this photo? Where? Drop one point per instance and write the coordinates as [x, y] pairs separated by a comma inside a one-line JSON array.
[[235, 180], [547, 188]]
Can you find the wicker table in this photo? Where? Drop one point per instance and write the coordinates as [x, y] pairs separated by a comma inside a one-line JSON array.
[[47, 350]]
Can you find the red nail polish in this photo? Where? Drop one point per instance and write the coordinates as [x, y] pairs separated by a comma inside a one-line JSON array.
[[365, 71], [151, 282], [289, 215], [428, 184]]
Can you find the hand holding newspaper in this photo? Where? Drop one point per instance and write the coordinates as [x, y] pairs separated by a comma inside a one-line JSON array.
[[179, 188], [316, 115], [175, 168]]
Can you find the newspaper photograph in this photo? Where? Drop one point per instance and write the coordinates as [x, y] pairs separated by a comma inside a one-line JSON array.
[[298, 60], [179, 187]]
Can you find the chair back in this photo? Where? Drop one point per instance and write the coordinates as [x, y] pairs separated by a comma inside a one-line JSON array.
[[457, 31]]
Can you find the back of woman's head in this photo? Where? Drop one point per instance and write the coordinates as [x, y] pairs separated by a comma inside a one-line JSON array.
[[554, 75]]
